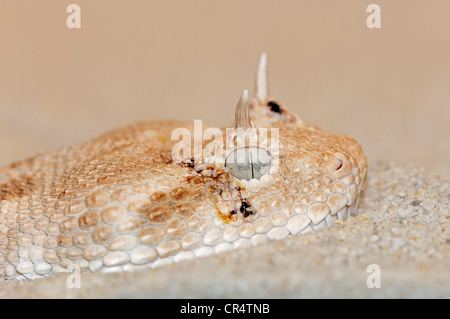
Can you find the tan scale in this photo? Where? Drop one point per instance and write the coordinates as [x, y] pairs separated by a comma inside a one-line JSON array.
[[118, 202]]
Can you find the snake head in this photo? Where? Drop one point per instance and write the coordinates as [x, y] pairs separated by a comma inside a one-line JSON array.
[[301, 179], [119, 202]]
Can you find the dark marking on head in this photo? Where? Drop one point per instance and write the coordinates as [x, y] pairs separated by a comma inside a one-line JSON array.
[[190, 162], [215, 186], [274, 107], [246, 209], [165, 158]]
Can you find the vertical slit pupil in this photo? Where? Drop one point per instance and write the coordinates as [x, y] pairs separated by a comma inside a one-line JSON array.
[[251, 163]]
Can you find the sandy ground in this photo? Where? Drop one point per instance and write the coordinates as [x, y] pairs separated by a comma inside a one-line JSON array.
[[189, 60]]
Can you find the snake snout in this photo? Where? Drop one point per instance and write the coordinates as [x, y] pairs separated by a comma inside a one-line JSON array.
[[339, 165]]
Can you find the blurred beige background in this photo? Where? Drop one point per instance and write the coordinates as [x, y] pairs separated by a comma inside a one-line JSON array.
[[137, 60]]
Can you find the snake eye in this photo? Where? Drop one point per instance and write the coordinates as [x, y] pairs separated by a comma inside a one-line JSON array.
[[249, 162]]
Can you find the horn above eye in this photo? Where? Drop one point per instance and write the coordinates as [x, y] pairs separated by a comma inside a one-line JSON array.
[[261, 78], [242, 116]]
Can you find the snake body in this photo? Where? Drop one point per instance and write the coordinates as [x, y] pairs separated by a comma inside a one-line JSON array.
[[118, 202]]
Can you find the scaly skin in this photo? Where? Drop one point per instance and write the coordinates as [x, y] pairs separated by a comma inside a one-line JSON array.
[[118, 202]]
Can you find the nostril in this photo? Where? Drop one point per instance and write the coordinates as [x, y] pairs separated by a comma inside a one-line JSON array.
[[339, 164]]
